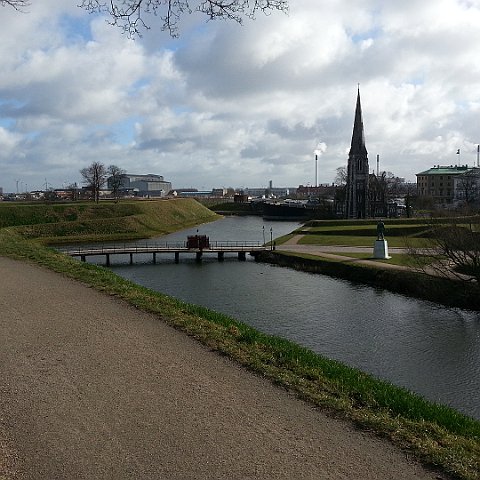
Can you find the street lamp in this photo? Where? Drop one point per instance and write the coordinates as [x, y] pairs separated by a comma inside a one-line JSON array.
[[271, 238], [263, 229]]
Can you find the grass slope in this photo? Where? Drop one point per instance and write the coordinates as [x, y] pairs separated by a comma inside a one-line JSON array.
[[83, 222]]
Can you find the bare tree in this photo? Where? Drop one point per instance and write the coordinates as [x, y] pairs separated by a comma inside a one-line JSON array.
[[410, 191], [129, 14], [452, 249], [468, 186], [16, 4], [115, 179], [341, 176], [94, 177]]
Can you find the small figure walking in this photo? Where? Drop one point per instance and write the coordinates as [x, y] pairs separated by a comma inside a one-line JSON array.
[[380, 230]]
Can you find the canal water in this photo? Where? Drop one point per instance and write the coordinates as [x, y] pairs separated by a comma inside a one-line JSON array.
[[429, 349]]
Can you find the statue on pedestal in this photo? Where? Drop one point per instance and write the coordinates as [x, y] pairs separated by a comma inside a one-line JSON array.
[[380, 230], [380, 249]]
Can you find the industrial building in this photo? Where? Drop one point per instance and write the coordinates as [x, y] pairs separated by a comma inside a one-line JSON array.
[[149, 185]]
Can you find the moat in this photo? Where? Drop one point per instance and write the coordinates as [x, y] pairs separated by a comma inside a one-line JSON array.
[[429, 349]]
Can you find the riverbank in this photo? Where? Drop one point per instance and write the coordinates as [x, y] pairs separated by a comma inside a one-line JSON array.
[[394, 278]]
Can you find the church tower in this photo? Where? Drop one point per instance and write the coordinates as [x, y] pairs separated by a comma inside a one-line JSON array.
[[357, 170]]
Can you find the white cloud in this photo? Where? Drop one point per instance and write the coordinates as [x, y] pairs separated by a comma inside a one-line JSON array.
[[239, 105]]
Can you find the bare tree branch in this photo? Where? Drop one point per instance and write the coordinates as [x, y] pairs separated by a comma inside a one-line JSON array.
[[16, 4], [129, 14]]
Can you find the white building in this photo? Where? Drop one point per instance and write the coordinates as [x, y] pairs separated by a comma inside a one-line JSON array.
[[143, 185]]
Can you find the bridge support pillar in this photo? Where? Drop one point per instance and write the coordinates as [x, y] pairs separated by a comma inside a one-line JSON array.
[[242, 256], [107, 256], [82, 258], [154, 258], [221, 256], [177, 257], [131, 259], [198, 257]]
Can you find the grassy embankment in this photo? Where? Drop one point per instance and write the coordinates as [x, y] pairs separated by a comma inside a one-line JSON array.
[[403, 233], [109, 221], [436, 434]]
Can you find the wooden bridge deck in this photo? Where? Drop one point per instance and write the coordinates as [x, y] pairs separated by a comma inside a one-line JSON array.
[[218, 248]]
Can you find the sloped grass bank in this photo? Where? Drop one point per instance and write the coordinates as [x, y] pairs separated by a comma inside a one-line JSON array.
[[438, 435], [107, 221], [448, 292]]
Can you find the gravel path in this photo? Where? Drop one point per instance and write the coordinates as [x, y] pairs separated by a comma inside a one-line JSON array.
[[91, 388]]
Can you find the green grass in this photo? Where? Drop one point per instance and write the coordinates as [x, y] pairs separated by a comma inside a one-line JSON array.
[[436, 434], [396, 258], [362, 230], [107, 221], [399, 233], [360, 241], [284, 238], [401, 259]]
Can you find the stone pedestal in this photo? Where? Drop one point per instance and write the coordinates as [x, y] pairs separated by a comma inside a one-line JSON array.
[[380, 249]]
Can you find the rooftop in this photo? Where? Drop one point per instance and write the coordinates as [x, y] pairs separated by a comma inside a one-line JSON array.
[[446, 170]]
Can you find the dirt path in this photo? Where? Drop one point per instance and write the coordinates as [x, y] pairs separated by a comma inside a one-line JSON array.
[[91, 388], [339, 253]]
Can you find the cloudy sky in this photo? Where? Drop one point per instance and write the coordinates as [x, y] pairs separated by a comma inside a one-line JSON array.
[[229, 105]]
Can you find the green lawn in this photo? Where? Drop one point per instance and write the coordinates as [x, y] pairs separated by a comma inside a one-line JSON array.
[[401, 259], [361, 241]]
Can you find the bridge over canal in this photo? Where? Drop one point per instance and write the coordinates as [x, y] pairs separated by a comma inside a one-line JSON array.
[[212, 248]]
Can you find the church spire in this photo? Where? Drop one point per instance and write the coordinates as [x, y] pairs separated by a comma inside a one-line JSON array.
[[357, 170], [358, 137]]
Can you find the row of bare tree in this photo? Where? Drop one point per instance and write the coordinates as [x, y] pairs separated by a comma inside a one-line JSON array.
[[95, 176], [130, 15]]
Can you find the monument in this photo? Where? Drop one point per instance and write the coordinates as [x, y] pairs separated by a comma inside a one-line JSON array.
[[380, 249]]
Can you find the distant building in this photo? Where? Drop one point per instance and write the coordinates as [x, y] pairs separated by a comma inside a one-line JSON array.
[[466, 186], [277, 192], [192, 193], [143, 185], [219, 192], [308, 191], [438, 183]]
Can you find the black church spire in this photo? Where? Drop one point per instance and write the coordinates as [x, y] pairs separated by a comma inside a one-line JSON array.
[[358, 137], [357, 169]]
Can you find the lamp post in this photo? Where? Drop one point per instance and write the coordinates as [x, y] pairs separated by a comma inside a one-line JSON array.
[[271, 238], [263, 229]]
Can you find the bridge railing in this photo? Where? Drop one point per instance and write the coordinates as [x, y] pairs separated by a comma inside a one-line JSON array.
[[147, 247]]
